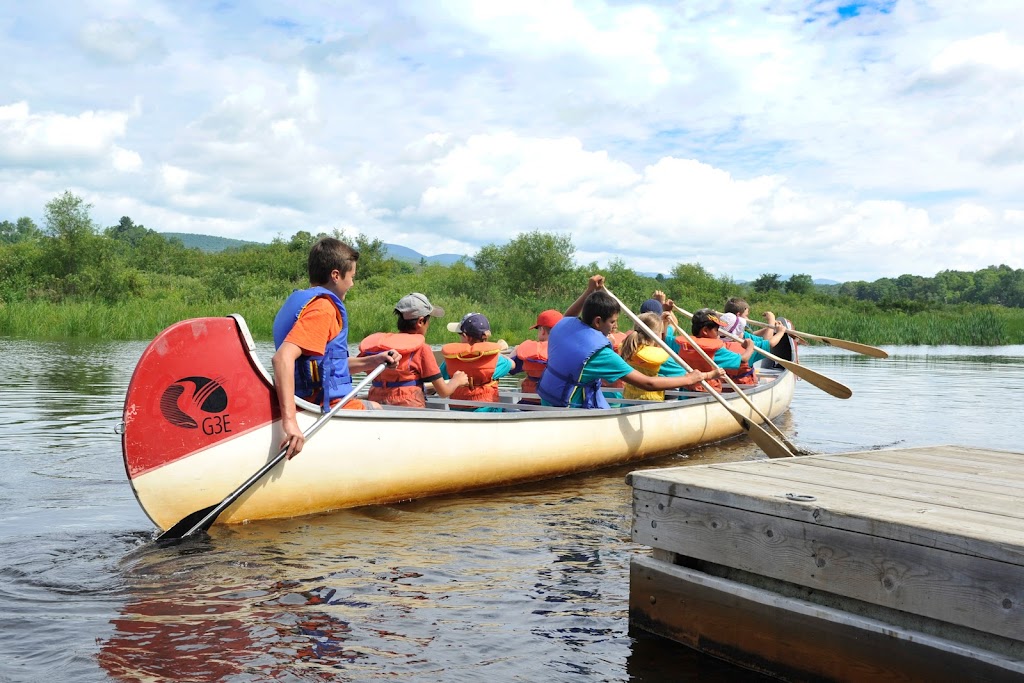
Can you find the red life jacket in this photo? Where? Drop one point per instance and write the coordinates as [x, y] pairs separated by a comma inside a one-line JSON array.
[[745, 374], [696, 361], [478, 361], [400, 386], [534, 355]]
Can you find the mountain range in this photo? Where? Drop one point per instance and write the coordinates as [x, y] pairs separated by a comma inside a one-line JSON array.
[[211, 243]]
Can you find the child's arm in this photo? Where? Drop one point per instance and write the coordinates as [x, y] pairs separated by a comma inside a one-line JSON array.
[[775, 330], [445, 388], [595, 283], [284, 384]]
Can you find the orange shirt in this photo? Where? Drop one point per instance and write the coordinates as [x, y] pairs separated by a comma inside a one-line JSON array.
[[319, 323]]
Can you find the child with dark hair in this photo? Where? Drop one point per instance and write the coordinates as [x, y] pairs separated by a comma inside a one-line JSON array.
[[403, 386], [311, 337], [581, 359]]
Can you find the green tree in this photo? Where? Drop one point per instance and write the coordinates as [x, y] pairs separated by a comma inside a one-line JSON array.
[[535, 262], [68, 222], [538, 262], [23, 230], [767, 282], [127, 231], [800, 284]]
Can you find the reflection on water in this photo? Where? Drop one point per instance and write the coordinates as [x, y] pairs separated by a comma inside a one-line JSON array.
[[526, 583]]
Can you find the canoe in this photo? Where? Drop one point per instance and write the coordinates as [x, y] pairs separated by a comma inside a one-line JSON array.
[[201, 415]]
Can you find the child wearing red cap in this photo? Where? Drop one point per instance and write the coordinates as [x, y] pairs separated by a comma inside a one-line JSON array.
[[531, 356]]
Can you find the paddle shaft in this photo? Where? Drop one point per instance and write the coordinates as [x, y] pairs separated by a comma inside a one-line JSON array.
[[690, 340], [856, 347], [768, 443], [826, 384], [207, 516]]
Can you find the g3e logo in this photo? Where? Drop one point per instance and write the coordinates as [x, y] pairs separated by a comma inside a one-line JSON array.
[[194, 402]]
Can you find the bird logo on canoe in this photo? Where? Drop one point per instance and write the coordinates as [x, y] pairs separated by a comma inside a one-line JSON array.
[[201, 395]]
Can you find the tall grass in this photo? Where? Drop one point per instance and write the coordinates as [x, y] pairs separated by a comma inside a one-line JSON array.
[[510, 316]]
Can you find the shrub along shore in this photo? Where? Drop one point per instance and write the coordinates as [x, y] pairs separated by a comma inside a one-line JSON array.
[[72, 279], [511, 318]]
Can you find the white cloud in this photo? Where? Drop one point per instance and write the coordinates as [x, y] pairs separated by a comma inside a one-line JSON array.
[[31, 139], [126, 160], [751, 138]]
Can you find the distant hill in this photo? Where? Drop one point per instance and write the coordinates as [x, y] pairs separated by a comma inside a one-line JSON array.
[[207, 243], [400, 253]]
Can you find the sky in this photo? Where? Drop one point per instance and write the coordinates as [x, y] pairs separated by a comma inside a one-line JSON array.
[[845, 140]]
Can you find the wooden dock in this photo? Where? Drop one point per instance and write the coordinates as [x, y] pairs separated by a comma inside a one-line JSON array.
[[904, 564]]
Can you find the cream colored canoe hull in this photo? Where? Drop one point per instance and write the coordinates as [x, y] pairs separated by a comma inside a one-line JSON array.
[[363, 458]]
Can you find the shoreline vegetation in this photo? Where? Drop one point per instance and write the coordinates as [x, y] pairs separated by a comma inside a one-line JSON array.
[[73, 279]]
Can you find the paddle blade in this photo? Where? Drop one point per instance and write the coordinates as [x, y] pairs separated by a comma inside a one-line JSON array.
[[184, 526], [826, 384], [856, 347], [771, 446]]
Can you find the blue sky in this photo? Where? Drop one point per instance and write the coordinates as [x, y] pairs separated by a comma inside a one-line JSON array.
[[845, 140]]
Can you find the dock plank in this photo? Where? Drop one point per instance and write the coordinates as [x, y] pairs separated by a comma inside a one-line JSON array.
[[981, 485], [795, 639], [961, 589], [741, 485], [948, 493]]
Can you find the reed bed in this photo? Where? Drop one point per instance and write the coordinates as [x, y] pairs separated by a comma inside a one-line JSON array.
[[511, 318]]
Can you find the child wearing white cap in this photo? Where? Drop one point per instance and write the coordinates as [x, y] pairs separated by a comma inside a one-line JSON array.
[[478, 358]]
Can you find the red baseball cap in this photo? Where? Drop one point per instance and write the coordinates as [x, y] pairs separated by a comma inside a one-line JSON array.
[[548, 318]]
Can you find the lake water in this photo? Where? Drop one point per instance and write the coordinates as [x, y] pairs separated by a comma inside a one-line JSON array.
[[519, 584]]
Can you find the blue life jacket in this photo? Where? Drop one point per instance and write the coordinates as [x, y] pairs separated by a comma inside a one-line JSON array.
[[327, 374], [570, 345]]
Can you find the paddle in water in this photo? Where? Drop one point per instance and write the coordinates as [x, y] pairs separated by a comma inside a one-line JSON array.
[[826, 384], [793, 449], [201, 520], [772, 447]]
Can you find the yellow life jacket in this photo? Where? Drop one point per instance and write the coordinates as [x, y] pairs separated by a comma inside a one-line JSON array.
[[648, 360]]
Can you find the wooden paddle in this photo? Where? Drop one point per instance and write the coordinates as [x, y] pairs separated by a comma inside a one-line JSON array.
[[794, 450], [856, 347], [772, 447], [826, 384], [201, 520]]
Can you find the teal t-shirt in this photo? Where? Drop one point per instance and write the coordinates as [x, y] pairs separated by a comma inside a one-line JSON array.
[[724, 358], [605, 365], [760, 344]]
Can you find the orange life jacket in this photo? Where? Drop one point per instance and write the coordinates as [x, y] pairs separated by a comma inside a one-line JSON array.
[[400, 386], [478, 361], [534, 355], [696, 361], [745, 374]]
